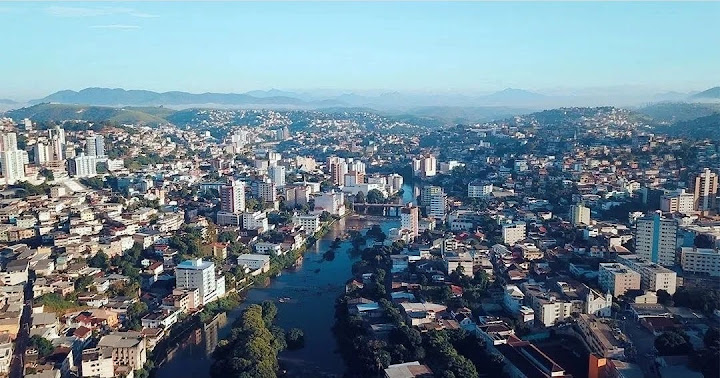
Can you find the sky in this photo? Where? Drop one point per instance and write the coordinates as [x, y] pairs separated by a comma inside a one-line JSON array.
[[443, 47]]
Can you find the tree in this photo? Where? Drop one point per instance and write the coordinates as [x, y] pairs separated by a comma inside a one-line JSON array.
[[664, 298], [295, 338], [100, 260], [43, 345], [269, 311], [48, 174], [82, 283], [673, 343], [703, 241], [360, 197], [375, 196]]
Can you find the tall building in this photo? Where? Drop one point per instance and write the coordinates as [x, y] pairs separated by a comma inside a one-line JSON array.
[[410, 220], [678, 202], [232, 197], [579, 214], [95, 145], [438, 205], [267, 191], [706, 190], [199, 274], [12, 160], [57, 142], [8, 142], [277, 175], [656, 239], [337, 167], [479, 189], [427, 193], [255, 221], [83, 166], [42, 153], [332, 202]]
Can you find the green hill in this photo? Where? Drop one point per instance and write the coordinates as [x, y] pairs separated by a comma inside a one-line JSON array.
[[701, 128], [61, 112], [678, 111]]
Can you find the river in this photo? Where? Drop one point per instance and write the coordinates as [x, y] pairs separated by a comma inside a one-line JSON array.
[[312, 289]]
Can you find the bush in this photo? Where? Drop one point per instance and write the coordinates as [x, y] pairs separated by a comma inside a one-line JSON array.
[[295, 338]]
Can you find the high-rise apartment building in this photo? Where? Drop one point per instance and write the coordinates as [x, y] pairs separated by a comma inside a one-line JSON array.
[[579, 214], [513, 233], [42, 153], [410, 220], [95, 146], [706, 190], [232, 197], [656, 239], [267, 191], [277, 175], [83, 166], [12, 160], [678, 202], [199, 274]]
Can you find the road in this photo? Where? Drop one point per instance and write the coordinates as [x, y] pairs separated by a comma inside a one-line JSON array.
[[643, 345], [23, 337]]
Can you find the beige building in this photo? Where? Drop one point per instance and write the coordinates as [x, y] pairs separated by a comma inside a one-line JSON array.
[[653, 277], [706, 190], [617, 278], [126, 348], [700, 260]]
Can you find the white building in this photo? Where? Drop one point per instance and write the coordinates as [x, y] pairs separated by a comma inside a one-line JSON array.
[[126, 348], [265, 248], [579, 214], [479, 189], [83, 166], [332, 202], [656, 239], [42, 153], [617, 279], [199, 274], [309, 222], [700, 260], [255, 221], [513, 233], [95, 146], [256, 263], [513, 299], [277, 175], [706, 190], [678, 202], [95, 363]]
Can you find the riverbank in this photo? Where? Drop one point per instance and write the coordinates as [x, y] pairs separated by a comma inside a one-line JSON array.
[[311, 287]]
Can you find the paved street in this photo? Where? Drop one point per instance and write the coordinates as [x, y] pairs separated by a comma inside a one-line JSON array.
[[643, 343], [23, 337]]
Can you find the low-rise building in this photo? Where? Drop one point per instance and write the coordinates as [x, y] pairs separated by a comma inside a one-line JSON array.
[[126, 348], [700, 260], [600, 337]]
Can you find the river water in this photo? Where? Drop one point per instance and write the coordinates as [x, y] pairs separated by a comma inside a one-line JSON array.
[[312, 289]]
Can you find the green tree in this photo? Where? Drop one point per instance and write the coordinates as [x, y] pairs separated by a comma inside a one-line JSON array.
[[43, 345], [360, 197], [295, 338], [673, 343], [100, 260], [375, 196]]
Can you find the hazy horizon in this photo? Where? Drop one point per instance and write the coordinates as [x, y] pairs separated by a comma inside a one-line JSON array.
[[627, 49]]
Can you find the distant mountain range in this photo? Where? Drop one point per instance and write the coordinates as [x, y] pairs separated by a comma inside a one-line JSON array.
[[710, 94], [284, 99]]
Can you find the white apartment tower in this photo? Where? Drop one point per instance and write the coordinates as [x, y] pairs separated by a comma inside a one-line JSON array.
[[83, 166], [199, 274], [277, 175]]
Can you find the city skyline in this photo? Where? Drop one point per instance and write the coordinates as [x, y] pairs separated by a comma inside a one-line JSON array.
[[467, 48]]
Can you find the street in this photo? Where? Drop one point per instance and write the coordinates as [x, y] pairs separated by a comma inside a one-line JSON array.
[[23, 337], [643, 343]]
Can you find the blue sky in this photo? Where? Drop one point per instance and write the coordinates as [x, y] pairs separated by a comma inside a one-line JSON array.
[[443, 47]]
